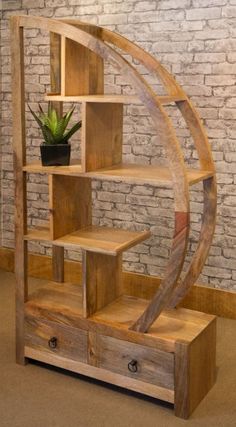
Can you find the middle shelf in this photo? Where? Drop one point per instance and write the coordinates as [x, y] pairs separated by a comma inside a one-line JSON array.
[[105, 240], [150, 174]]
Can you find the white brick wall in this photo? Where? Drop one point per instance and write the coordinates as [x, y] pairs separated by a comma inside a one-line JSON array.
[[196, 41]]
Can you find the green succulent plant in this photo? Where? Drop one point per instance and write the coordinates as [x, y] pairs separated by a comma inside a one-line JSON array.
[[54, 127]]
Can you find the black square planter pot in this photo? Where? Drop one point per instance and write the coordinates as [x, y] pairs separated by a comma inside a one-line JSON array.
[[55, 154]]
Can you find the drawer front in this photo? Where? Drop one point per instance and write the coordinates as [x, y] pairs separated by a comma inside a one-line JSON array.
[[51, 337], [136, 361]]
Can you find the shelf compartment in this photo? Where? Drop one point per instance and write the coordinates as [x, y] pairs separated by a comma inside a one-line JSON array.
[[111, 98], [40, 233], [104, 240], [171, 325], [149, 174], [52, 298]]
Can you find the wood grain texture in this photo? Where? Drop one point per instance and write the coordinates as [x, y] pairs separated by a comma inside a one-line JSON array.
[[102, 374], [82, 70], [69, 204], [160, 119], [101, 280], [73, 169], [61, 303], [71, 342], [220, 302], [147, 174], [173, 270], [104, 240], [199, 136], [154, 175], [55, 80], [101, 141], [109, 98], [153, 366], [58, 263], [195, 370], [19, 156], [205, 239]]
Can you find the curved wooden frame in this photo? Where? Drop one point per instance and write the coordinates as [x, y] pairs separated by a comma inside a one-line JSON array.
[[169, 293]]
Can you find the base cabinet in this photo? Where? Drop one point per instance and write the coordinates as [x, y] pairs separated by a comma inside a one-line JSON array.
[[181, 376]]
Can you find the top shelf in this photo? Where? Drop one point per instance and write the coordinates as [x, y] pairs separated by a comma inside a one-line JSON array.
[[109, 98]]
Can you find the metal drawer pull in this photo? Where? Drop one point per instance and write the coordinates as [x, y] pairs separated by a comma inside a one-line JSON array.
[[52, 342], [133, 365]]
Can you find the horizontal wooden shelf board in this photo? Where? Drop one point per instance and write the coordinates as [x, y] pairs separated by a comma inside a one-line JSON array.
[[105, 240], [111, 98], [159, 175], [155, 175], [36, 167], [178, 324], [65, 298]]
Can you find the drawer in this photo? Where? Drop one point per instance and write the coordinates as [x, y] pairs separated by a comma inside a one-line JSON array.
[[51, 337], [136, 361]]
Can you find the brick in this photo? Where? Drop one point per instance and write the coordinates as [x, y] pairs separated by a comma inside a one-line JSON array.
[[64, 11], [224, 68], [208, 3], [220, 45], [219, 80], [209, 57], [211, 34], [229, 12], [145, 5], [112, 19], [140, 17], [203, 13], [88, 10], [227, 113], [174, 4], [32, 3]]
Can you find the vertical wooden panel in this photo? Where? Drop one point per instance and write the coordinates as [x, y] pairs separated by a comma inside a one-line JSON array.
[[82, 70], [195, 370], [101, 280], [102, 134], [19, 152], [58, 263], [55, 63], [55, 77], [69, 204]]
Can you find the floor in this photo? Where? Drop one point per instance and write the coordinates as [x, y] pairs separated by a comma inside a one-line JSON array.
[[39, 396]]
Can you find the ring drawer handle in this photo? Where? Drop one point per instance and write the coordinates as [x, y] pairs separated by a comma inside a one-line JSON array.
[[52, 342], [133, 365]]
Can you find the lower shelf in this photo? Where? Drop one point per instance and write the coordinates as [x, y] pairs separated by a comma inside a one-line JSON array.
[[174, 361], [106, 240]]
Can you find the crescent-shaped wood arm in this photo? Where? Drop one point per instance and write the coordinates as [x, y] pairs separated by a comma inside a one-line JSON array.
[[205, 239], [173, 270]]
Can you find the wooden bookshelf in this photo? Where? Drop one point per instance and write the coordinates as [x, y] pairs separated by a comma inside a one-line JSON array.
[[94, 328]]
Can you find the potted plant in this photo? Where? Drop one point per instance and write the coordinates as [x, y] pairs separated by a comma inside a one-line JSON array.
[[55, 150]]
